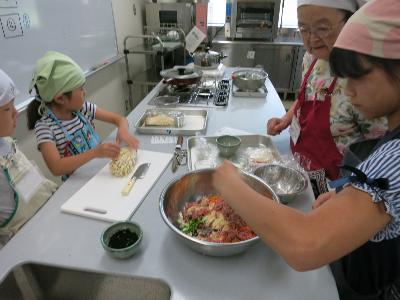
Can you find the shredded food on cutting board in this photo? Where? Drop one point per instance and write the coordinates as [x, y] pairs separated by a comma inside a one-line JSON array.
[[123, 164]]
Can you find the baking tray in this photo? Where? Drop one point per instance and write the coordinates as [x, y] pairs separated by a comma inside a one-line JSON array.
[[203, 152], [195, 120]]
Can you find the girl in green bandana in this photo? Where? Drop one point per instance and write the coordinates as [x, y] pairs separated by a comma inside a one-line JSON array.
[[63, 120]]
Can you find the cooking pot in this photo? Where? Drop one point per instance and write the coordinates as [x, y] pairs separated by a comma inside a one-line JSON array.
[[249, 79], [207, 59], [181, 76]]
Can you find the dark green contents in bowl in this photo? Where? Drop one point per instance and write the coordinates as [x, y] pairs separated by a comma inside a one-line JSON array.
[[122, 239]]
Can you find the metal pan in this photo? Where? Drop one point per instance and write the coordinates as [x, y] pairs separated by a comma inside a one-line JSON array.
[[181, 76]]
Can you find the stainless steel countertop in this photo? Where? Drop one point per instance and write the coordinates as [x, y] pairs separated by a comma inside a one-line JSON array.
[[55, 238], [280, 40]]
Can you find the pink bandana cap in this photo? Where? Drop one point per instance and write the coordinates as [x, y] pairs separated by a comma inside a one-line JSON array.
[[373, 30]]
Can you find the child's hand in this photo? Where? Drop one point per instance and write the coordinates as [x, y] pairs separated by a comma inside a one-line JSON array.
[[124, 135], [110, 150]]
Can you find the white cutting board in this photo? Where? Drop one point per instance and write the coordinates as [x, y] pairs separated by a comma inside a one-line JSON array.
[[100, 198]]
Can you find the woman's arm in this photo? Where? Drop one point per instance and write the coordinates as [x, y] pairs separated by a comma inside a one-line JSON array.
[[66, 165], [122, 124], [276, 125], [305, 240]]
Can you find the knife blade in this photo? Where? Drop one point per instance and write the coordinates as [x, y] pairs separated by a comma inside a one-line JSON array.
[[177, 152], [138, 174]]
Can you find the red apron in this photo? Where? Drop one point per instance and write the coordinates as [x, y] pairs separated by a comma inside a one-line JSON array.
[[315, 141]]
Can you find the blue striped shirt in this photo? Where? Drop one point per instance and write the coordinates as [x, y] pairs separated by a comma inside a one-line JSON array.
[[385, 162], [47, 130]]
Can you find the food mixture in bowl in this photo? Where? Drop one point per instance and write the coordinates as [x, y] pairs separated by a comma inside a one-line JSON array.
[[211, 219]]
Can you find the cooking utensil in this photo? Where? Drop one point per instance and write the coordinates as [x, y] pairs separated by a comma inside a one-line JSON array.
[[181, 76], [177, 153], [207, 59], [139, 173], [249, 79], [166, 100], [285, 181], [193, 186]]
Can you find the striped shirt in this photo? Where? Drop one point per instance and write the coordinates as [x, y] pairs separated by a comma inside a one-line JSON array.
[[385, 162], [47, 130]]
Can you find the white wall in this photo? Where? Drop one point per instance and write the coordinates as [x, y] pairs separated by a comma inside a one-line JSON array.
[[107, 87]]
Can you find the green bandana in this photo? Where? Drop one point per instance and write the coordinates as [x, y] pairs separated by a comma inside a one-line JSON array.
[[56, 73]]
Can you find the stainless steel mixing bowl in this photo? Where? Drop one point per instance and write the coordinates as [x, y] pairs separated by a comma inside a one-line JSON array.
[[285, 181], [191, 187], [249, 79]]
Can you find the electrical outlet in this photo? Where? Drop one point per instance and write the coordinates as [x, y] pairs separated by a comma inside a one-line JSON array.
[[11, 25]]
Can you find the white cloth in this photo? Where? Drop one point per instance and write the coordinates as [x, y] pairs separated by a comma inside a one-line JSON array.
[[350, 5], [7, 203], [8, 90]]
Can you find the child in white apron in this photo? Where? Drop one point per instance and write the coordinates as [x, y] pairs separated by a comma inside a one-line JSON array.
[[23, 188], [63, 120]]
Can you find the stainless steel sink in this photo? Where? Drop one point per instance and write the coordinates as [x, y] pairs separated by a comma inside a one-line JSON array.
[[34, 281]]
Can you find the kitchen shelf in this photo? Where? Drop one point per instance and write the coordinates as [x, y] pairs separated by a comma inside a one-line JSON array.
[[155, 45]]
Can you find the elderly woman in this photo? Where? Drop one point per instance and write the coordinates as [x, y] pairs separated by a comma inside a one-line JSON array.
[[357, 228], [322, 121]]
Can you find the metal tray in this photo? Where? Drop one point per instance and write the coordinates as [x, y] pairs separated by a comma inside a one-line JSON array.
[[203, 152], [195, 120]]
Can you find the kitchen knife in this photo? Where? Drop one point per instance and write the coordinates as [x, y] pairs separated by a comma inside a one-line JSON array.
[[139, 173], [177, 153]]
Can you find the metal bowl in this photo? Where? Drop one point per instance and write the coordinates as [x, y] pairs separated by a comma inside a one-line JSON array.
[[285, 181], [192, 186], [249, 79]]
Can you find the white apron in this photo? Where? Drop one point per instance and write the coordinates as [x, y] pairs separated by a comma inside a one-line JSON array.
[[31, 189]]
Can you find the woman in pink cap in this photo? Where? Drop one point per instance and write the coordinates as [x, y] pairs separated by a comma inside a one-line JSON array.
[[357, 229], [322, 121]]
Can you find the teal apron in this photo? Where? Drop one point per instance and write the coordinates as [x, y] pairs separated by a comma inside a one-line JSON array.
[[81, 141]]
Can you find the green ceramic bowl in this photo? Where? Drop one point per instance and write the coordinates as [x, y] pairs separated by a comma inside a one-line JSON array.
[[228, 145], [122, 239]]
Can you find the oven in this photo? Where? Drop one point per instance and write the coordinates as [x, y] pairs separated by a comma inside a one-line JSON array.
[[170, 15], [252, 19]]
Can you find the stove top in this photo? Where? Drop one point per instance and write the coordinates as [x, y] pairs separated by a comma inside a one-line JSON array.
[[209, 93]]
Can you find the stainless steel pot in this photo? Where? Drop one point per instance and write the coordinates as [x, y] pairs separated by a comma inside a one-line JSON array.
[[191, 187], [181, 76], [207, 59], [249, 79]]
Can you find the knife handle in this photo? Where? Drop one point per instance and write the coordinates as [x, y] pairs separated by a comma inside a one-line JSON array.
[[128, 187], [179, 142]]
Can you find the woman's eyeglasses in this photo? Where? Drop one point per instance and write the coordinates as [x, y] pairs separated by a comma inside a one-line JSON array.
[[322, 31]]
